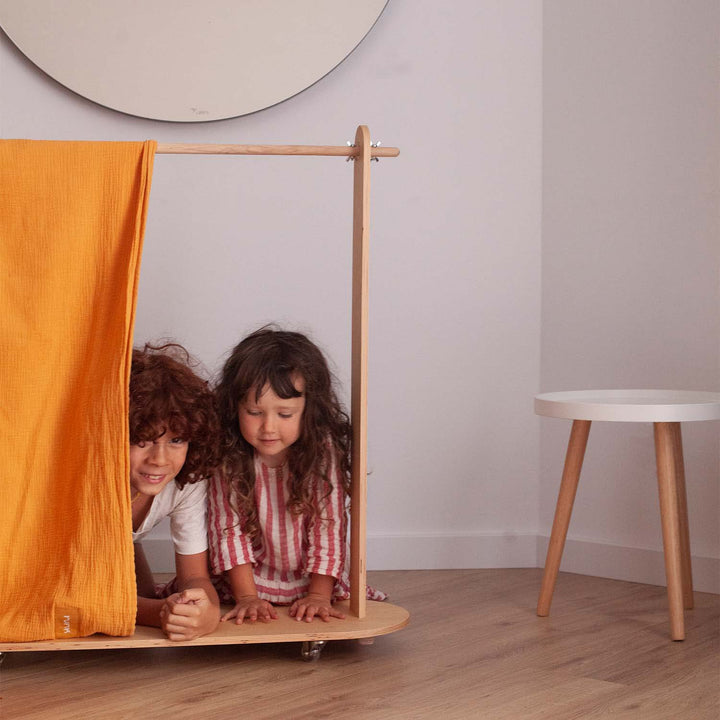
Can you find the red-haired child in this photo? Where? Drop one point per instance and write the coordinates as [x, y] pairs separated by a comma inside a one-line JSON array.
[[173, 450]]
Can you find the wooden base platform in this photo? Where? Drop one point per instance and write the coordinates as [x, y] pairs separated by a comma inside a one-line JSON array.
[[381, 618]]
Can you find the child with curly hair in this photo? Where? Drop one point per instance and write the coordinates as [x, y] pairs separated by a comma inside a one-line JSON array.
[[173, 450], [277, 508]]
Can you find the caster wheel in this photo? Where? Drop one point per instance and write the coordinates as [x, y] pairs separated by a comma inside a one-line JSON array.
[[311, 650], [366, 641]]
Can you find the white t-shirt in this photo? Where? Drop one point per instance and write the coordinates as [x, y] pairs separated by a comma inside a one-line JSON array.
[[187, 509]]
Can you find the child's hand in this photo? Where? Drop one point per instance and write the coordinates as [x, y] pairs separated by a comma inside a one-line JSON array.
[[187, 615], [252, 608], [311, 605]]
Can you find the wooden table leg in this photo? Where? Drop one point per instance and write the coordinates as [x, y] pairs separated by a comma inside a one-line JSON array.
[[669, 516], [685, 556], [566, 497]]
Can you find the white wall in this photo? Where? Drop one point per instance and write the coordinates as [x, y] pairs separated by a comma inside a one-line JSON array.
[[455, 316], [631, 260], [455, 257]]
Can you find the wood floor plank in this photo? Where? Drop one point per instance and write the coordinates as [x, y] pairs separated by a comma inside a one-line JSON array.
[[474, 648]]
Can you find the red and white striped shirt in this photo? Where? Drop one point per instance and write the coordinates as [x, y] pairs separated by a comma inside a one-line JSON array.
[[288, 547]]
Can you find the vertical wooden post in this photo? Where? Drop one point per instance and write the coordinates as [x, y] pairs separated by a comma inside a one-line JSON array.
[[358, 507]]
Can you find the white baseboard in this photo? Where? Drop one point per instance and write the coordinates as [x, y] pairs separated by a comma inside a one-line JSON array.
[[446, 551], [437, 552], [628, 563]]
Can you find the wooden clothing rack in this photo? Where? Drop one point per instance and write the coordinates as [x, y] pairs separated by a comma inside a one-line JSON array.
[[363, 619]]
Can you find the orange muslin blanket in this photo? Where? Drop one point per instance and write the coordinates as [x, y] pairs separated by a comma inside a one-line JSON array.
[[72, 218]]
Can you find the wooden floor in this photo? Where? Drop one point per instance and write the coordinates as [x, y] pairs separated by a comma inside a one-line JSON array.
[[474, 649]]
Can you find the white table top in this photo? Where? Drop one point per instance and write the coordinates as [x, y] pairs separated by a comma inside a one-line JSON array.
[[630, 405]]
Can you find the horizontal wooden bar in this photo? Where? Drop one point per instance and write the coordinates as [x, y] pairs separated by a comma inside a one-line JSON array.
[[210, 149]]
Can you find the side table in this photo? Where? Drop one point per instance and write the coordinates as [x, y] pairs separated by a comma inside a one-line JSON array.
[[666, 409]]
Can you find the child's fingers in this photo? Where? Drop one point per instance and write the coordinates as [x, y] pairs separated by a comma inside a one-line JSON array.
[[180, 637], [300, 611], [185, 610], [180, 628], [175, 628], [308, 612], [294, 610], [245, 613], [192, 595], [182, 634], [249, 614], [297, 610], [175, 621], [251, 611], [313, 611], [229, 615], [238, 612], [264, 612], [320, 612]]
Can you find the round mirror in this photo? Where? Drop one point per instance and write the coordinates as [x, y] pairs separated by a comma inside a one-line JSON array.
[[188, 60]]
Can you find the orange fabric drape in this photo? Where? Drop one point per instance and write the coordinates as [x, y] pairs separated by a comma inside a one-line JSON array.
[[72, 218]]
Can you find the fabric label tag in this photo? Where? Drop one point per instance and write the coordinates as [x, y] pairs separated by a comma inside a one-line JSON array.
[[66, 625]]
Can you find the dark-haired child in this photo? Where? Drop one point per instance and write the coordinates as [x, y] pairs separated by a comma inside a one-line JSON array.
[[173, 449], [277, 510]]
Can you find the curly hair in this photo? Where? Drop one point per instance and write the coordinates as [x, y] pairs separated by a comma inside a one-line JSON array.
[[272, 357], [167, 396]]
